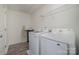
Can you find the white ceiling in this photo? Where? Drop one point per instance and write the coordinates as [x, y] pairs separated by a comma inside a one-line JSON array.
[[30, 8]]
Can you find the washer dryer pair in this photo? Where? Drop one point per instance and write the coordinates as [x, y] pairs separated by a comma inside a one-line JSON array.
[[44, 43]]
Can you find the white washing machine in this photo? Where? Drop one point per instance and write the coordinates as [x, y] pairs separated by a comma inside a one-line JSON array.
[[61, 42]]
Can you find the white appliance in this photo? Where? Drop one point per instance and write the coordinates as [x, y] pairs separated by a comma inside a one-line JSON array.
[[34, 43], [57, 42]]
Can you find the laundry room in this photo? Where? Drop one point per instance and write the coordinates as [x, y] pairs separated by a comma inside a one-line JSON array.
[[39, 29]]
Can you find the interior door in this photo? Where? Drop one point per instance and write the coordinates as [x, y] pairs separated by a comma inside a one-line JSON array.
[[2, 30], [2, 43]]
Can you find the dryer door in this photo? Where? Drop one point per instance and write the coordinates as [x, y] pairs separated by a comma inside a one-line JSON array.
[[50, 47]]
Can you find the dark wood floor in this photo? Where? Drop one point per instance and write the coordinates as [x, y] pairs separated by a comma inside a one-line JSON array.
[[18, 49]]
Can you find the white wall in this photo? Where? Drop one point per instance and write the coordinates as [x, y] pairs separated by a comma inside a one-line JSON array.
[[16, 21], [61, 17]]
